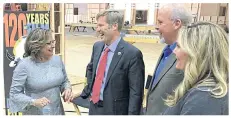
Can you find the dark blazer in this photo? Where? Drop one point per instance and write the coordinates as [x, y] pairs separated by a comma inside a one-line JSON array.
[[124, 86], [168, 79], [199, 101]]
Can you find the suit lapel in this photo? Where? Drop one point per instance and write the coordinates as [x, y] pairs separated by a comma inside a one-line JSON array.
[[115, 59], [98, 51], [150, 86], [168, 64]]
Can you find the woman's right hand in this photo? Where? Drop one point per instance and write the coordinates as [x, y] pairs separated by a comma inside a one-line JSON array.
[[41, 102]]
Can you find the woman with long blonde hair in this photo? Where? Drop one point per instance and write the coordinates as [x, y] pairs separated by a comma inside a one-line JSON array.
[[202, 52]]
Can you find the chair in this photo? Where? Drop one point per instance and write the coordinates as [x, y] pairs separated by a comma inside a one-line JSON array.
[[79, 101]]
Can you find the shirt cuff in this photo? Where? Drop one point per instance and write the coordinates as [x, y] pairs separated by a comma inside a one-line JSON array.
[[32, 101]]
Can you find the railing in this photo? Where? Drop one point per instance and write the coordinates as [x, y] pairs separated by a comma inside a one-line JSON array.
[[141, 38]]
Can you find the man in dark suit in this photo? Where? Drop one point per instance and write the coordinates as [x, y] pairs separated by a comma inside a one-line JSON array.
[[115, 72], [166, 77]]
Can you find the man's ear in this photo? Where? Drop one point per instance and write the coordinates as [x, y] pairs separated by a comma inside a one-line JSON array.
[[115, 27], [177, 24]]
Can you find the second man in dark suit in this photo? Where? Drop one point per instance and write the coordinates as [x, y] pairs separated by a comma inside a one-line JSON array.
[[166, 77], [116, 71]]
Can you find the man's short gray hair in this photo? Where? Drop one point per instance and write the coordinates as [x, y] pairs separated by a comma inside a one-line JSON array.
[[112, 17], [178, 11]]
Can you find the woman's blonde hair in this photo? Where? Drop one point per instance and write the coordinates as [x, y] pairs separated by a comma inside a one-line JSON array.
[[207, 64]]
